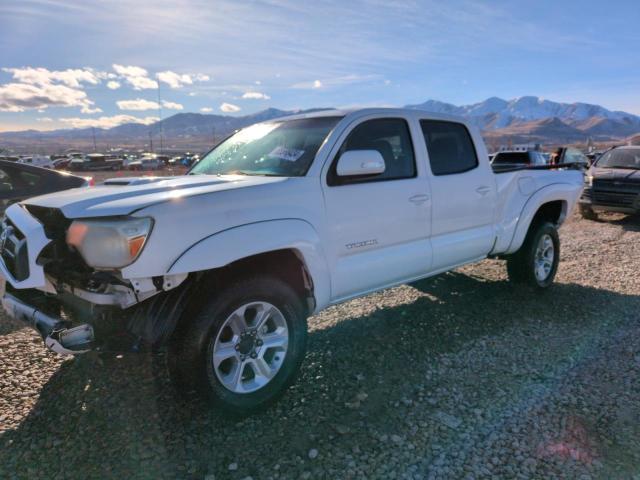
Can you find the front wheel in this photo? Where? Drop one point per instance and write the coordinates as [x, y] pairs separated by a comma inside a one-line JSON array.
[[536, 263], [245, 346]]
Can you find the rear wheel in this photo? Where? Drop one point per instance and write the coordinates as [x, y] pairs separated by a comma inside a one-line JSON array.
[[536, 263], [245, 346]]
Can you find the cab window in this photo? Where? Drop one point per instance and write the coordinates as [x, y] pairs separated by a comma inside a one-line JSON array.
[[391, 138], [449, 146]]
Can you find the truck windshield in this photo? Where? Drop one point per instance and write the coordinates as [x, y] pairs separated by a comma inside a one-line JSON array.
[[283, 149], [620, 159]]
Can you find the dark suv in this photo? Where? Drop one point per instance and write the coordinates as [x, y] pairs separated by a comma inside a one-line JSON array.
[[612, 183]]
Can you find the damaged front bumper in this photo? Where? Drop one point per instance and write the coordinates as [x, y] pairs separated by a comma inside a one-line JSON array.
[[57, 333], [75, 315]]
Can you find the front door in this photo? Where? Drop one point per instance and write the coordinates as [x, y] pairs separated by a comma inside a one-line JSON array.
[[379, 225]]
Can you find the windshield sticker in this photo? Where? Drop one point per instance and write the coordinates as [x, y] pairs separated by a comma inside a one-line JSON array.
[[287, 154]]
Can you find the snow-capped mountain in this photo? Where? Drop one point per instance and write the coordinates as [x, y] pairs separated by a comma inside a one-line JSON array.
[[496, 114], [521, 119]]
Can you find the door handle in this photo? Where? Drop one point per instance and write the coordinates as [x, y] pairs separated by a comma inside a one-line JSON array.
[[483, 190], [419, 199]]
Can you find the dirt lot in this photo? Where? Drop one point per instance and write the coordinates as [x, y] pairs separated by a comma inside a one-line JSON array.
[[460, 376]]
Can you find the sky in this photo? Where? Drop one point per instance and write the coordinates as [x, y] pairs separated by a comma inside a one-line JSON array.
[[66, 64]]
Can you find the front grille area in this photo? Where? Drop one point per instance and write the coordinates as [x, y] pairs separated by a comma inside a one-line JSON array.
[[13, 250], [621, 199], [613, 193], [54, 222]]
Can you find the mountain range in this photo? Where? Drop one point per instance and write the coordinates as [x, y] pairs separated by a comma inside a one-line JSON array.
[[541, 120], [524, 119]]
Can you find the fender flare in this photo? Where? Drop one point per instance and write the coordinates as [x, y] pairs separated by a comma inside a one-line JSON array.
[[236, 243], [564, 192]]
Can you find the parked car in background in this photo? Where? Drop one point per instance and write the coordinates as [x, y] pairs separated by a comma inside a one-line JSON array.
[[43, 161], [592, 157], [222, 267], [511, 159], [19, 181], [164, 159], [61, 163], [95, 161], [569, 155], [146, 163], [612, 183]]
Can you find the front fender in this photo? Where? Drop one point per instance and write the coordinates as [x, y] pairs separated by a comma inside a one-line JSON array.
[[568, 193], [243, 241]]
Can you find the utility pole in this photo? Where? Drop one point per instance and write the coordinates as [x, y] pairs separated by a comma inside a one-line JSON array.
[[160, 116]]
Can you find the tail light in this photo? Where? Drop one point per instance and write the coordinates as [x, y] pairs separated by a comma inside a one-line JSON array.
[[90, 182]]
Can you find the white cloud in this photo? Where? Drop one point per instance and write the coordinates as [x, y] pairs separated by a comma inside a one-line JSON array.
[[173, 79], [142, 83], [138, 104], [177, 80], [18, 97], [206, 109], [87, 109], [41, 76], [192, 94], [39, 88], [137, 77], [130, 71], [317, 84], [107, 122], [256, 96], [229, 108], [44, 119], [172, 105], [113, 85]]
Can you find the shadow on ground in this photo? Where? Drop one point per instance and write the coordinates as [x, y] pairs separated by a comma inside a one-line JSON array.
[[630, 223], [119, 417]]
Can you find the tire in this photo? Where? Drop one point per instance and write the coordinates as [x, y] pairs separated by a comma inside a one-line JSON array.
[[215, 329], [587, 213], [536, 263]]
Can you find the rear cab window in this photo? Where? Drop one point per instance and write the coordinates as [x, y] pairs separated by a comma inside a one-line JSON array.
[[511, 158], [449, 146]]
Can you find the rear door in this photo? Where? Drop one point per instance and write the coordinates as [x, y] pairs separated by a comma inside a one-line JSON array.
[[463, 192], [378, 225]]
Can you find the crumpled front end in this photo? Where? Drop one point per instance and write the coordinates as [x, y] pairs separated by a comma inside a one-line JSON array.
[[48, 285]]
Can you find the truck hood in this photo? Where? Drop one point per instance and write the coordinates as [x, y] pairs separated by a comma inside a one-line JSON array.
[[123, 196], [623, 175]]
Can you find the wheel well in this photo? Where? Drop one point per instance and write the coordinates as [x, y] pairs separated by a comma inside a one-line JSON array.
[[553, 212], [287, 264]]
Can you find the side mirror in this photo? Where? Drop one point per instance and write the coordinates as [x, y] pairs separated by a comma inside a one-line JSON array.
[[360, 162]]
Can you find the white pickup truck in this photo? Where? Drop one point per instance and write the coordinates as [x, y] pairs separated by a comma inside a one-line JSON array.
[[222, 267]]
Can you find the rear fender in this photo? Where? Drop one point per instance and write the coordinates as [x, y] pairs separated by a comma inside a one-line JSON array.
[[565, 192], [240, 242]]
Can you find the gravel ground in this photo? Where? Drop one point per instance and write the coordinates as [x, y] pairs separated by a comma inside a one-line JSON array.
[[460, 376]]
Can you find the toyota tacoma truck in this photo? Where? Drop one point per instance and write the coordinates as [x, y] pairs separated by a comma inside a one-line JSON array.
[[221, 267]]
